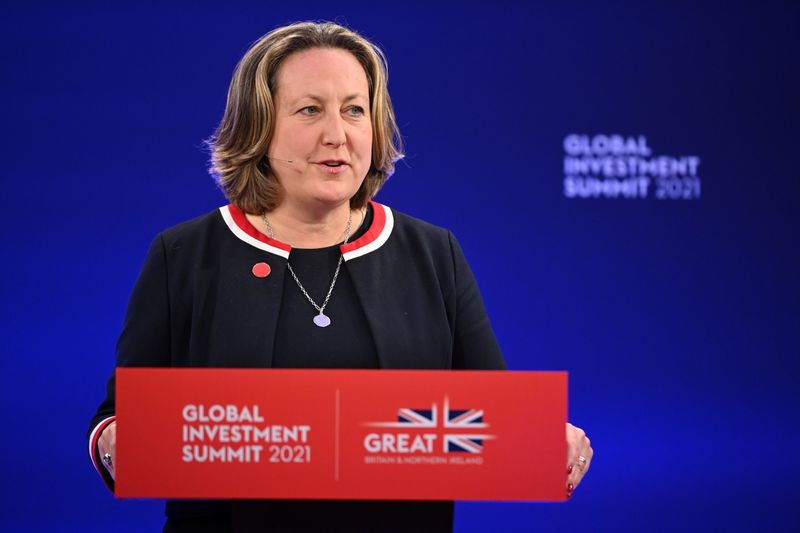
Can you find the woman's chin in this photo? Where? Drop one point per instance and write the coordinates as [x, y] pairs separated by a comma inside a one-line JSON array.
[[333, 196]]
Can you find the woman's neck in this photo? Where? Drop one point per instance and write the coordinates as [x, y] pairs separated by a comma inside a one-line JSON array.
[[302, 228]]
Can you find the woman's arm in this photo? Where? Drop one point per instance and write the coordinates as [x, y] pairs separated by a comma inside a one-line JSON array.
[[474, 344], [144, 342]]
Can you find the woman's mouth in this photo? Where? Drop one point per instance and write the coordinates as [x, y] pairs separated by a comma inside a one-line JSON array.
[[333, 166]]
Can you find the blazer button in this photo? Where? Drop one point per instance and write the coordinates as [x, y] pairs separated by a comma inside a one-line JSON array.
[[261, 270]]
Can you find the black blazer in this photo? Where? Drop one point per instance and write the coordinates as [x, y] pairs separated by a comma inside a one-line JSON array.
[[197, 302]]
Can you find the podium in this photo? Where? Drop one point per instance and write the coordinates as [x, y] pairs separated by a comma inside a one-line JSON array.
[[341, 434]]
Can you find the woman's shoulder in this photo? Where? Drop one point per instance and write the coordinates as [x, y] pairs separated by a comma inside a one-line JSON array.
[[196, 227], [412, 235], [406, 223]]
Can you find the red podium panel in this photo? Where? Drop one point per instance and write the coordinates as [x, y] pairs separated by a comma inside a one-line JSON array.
[[341, 434]]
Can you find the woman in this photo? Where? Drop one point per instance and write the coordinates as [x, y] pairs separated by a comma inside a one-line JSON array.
[[303, 269]]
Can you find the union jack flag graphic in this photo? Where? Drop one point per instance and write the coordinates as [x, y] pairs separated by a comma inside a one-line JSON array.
[[421, 418], [452, 420], [408, 418], [463, 419]]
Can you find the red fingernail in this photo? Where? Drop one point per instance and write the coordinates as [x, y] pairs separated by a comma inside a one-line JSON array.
[[570, 487], [569, 470]]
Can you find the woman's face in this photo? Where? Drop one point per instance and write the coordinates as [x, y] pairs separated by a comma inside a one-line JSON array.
[[323, 126]]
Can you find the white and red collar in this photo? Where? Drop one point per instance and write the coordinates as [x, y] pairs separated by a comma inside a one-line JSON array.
[[375, 236]]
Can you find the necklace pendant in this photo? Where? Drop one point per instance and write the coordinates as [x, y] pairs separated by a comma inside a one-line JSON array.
[[322, 321]]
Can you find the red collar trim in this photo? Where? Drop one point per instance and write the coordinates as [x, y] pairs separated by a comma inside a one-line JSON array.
[[244, 224], [375, 236], [237, 222]]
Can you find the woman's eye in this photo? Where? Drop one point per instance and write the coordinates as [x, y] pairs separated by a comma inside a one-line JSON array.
[[356, 111], [309, 110]]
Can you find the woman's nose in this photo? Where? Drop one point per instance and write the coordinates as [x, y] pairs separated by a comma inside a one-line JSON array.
[[333, 133]]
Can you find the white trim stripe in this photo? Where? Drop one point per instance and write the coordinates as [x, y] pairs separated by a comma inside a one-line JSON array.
[[236, 230], [94, 437], [379, 241]]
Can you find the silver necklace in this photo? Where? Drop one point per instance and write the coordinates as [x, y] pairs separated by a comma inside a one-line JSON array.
[[322, 320]]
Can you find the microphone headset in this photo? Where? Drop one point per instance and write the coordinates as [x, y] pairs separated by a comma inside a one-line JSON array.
[[278, 159]]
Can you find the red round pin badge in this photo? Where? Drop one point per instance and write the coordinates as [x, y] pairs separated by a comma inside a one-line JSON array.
[[261, 270]]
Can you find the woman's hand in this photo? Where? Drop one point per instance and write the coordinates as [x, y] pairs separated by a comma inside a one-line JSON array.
[[579, 457], [107, 444]]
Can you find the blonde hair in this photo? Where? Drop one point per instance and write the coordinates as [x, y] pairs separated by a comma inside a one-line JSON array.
[[239, 145]]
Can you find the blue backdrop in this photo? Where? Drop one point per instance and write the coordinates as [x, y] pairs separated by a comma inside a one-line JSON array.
[[664, 278]]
